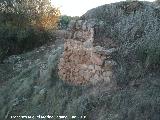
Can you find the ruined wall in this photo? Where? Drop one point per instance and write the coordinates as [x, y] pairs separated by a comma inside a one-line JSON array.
[[81, 62]]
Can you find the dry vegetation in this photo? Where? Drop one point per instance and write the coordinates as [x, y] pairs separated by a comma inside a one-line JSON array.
[[25, 24]]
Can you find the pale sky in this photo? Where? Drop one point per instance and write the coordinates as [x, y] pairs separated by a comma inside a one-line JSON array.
[[79, 7]]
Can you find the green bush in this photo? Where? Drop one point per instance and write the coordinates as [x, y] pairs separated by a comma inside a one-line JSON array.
[[15, 40], [65, 20]]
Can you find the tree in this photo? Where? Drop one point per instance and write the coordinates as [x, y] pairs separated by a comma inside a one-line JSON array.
[[64, 21], [25, 24], [39, 13]]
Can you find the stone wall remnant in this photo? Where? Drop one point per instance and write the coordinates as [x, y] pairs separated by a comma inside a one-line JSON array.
[[81, 62]]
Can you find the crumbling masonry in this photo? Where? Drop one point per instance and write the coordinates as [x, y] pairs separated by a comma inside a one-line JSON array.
[[81, 62]]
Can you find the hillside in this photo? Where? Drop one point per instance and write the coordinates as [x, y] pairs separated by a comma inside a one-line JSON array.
[[105, 66]]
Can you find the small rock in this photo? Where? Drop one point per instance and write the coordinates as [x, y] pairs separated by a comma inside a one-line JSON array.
[[72, 25], [96, 60], [97, 68], [88, 44], [109, 51], [99, 48], [96, 77], [79, 24], [43, 91], [107, 79], [108, 73], [110, 63], [15, 102], [91, 67], [84, 26]]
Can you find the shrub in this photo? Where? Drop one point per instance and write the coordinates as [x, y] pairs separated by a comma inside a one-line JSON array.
[[158, 2], [25, 25], [64, 21]]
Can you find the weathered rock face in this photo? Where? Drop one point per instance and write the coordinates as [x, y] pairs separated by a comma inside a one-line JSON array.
[[82, 62]]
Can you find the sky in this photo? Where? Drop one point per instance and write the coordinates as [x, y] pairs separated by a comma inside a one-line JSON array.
[[79, 7]]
